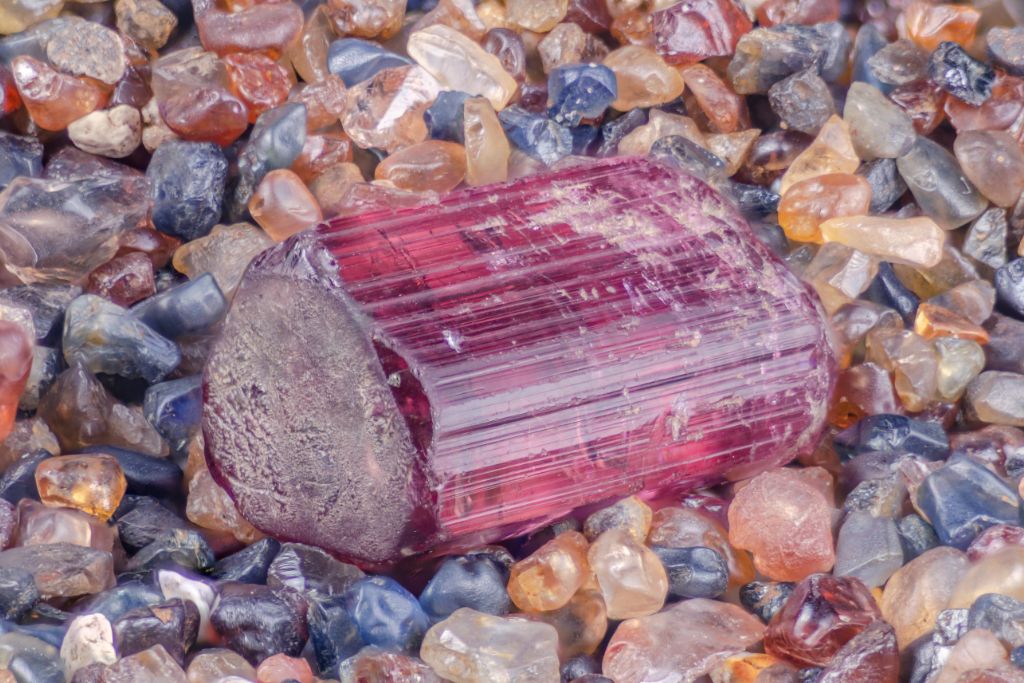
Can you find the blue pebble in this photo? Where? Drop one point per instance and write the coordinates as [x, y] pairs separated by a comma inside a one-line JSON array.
[[697, 572], [333, 633], [474, 581], [685, 154], [18, 592], [444, 118], [186, 181], [1017, 657], [174, 408], [275, 142], [964, 498], [145, 474], [386, 614], [1000, 614], [916, 536], [888, 290], [888, 433], [192, 307], [19, 156], [951, 68], [248, 565], [46, 303], [536, 135], [613, 131], [354, 60], [869, 40], [584, 139], [34, 666], [1009, 282], [580, 91], [106, 338], [19, 479], [123, 598]]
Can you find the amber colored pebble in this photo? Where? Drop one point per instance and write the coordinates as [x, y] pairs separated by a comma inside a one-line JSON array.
[[123, 279], [536, 15], [93, 484], [725, 111], [324, 100], [809, 203], [634, 28], [831, 152], [732, 148], [15, 364], [320, 152], [367, 18], [923, 102], [260, 82], [157, 246], [308, 54], [282, 205], [852, 322], [934, 321], [487, 148], [434, 165], [266, 27], [547, 579], [281, 668], [999, 112], [862, 390], [206, 115], [54, 99], [927, 25]]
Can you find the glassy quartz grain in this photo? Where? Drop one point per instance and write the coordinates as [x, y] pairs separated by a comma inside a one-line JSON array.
[[489, 365]]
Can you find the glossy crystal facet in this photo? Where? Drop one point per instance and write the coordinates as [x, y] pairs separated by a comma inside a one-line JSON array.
[[467, 370]]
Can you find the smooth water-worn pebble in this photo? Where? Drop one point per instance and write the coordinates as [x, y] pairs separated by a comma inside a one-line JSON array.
[[89, 640], [114, 132], [473, 581]]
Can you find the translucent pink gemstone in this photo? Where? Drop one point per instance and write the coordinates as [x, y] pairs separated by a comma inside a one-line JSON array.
[[470, 369]]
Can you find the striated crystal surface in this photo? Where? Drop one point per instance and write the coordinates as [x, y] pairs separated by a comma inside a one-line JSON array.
[[485, 366]]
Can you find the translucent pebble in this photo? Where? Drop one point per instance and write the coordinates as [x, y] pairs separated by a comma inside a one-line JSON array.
[[551, 575], [62, 569], [915, 241], [508, 47], [631, 514], [568, 44], [690, 32], [994, 162], [54, 99], [786, 523], [684, 642], [985, 240], [208, 506], [224, 253], [374, 665], [215, 664], [913, 362], [173, 624], [831, 152], [939, 186], [927, 25], [258, 621], [460, 64], [936, 322], [803, 101], [152, 664], [917, 592], [486, 148], [899, 63], [744, 667], [258, 81], [475, 581], [123, 279], [472, 647], [433, 166], [367, 18], [147, 22], [580, 91], [995, 397], [267, 27], [386, 111], [960, 361], [871, 655], [632, 579], [536, 135], [809, 203], [386, 614], [105, 337], [697, 572], [22, 14], [864, 389], [89, 639], [1000, 614], [93, 484], [310, 571], [187, 182], [283, 206], [976, 649], [674, 527], [460, 15], [355, 60], [821, 616], [868, 548], [308, 54], [1006, 48], [878, 128], [19, 155], [186, 309], [995, 573], [581, 623], [765, 56], [536, 15], [960, 75], [284, 669], [724, 110], [660, 125]]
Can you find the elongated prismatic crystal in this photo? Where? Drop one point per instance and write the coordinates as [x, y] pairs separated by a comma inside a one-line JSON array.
[[465, 371]]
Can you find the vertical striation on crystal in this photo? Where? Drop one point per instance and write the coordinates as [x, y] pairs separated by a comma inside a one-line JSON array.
[[464, 371]]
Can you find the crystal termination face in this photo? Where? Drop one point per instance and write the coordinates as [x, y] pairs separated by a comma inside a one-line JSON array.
[[457, 373]]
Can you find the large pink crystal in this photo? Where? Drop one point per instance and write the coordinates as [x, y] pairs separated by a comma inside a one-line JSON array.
[[468, 370]]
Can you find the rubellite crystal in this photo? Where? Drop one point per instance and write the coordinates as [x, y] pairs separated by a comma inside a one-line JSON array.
[[470, 369]]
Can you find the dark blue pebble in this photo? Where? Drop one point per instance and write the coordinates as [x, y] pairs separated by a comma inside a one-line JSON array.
[[19, 479], [187, 181], [869, 40], [1000, 614], [258, 621], [274, 143], [145, 523], [189, 308], [18, 592], [580, 91], [765, 598], [311, 571], [686, 155], [445, 118], [887, 433], [333, 633], [175, 407], [120, 599], [959, 74], [583, 139], [354, 60], [612, 131], [182, 547], [964, 498], [886, 186], [1017, 657], [580, 665], [474, 581], [886, 289], [697, 572], [754, 202], [32, 666], [248, 565], [386, 614], [536, 135], [145, 474], [19, 156], [1009, 282], [175, 627], [916, 536]]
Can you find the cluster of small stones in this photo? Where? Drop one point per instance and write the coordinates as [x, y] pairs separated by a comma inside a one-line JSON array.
[[149, 149]]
